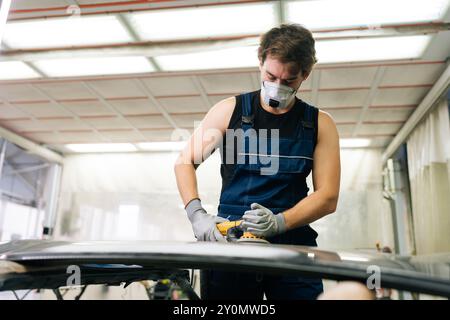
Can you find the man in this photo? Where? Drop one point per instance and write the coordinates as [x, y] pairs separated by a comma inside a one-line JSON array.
[[273, 204]]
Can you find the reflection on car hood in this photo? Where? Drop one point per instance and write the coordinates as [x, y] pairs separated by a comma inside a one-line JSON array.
[[427, 274]]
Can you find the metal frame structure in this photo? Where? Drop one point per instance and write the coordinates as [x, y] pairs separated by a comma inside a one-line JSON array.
[[30, 180]]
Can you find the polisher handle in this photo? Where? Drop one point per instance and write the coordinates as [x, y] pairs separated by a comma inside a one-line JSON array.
[[225, 226]]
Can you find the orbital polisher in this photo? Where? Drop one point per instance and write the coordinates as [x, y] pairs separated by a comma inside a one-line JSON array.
[[234, 232]]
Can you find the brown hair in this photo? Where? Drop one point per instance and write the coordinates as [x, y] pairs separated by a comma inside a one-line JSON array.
[[289, 43]]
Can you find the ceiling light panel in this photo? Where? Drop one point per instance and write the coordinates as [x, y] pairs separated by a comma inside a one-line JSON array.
[[371, 49], [64, 32], [201, 22], [218, 59], [101, 147], [12, 70], [93, 66], [326, 14]]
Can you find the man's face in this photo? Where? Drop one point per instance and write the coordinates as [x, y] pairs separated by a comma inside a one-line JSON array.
[[282, 73]]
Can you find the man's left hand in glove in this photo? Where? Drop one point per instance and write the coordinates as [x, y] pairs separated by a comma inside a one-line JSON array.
[[261, 222]]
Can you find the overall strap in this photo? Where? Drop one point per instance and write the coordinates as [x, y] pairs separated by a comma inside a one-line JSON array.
[[308, 124], [247, 115]]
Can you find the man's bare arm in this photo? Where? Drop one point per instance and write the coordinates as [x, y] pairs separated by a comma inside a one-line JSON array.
[[326, 178], [201, 144]]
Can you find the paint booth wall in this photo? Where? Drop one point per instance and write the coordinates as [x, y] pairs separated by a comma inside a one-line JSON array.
[[134, 196]]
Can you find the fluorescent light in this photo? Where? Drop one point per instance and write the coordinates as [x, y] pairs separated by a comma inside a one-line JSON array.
[[217, 59], [371, 49], [4, 10], [204, 22], [100, 147], [354, 143], [11, 70], [162, 146], [325, 14], [93, 66], [63, 32]]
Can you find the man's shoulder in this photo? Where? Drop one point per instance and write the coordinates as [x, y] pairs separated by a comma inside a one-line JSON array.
[[326, 124], [325, 116], [225, 105]]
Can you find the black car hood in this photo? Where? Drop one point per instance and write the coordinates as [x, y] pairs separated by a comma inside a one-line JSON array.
[[42, 263]]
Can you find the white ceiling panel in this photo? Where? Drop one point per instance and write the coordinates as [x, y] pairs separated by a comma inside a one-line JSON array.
[[347, 78], [64, 124], [183, 104], [342, 98], [412, 75], [26, 125], [153, 121], [116, 88], [227, 83], [10, 112], [107, 122], [392, 114], [65, 90], [379, 129], [79, 137], [345, 129], [134, 106], [87, 108], [188, 120], [43, 109], [171, 86], [122, 135], [217, 98], [399, 96], [158, 135], [346, 115], [52, 138], [42, 137], [19, 92]]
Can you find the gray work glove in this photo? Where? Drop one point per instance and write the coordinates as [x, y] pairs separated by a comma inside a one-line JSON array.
[[261, 222], [203, 223]]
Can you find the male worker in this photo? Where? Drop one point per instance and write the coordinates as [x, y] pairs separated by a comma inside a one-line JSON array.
[[273, 204]]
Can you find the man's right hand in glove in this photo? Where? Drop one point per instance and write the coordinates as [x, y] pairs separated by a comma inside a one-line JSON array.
[[203, 223]]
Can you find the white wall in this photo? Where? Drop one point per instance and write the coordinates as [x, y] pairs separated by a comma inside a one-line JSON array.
[[94, 187]]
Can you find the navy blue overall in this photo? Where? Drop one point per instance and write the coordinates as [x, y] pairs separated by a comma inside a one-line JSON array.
[[278, 192]]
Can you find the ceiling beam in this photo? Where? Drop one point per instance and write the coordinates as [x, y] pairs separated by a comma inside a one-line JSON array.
[[146, 48], [369, 99], [280, 12], [202, 91], [140, 84], [134, 35], [111, 108], [31, 146]]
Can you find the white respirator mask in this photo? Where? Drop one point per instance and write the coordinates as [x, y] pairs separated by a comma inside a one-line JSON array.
[[277, 95]]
